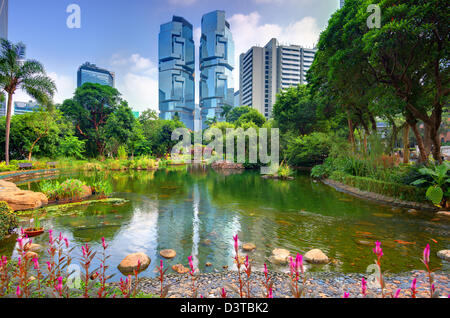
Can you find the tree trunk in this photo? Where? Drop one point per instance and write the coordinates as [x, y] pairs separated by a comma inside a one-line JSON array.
[[423, 155], [351, 135], [8, 127], [406, 144]]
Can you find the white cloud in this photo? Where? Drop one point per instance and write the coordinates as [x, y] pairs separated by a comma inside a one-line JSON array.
[[137, 80], [248, 31]]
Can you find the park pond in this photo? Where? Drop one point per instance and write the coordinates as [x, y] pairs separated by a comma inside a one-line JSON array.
[[197, 210]]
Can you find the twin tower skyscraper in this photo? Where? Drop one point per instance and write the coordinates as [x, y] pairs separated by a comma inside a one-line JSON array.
[[177, 69]]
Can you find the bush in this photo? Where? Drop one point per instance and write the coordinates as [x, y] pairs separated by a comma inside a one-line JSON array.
[[11, 167], [102, 188], [309, 150], [122, 153], [8, 220], [69, 189]]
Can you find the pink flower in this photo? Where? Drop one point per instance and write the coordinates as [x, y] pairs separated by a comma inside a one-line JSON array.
[[161, 266], [397, 293], [67, 242], [270, 293], [18, 293], [49, 266], [60, 237], [346, 295], [20, 241], [413, 285], [246, 263], [191, 265], [104, 243], [426, 255], [364, 287], [50, 236], [59, 285], [36, 263], [266, 272], [378, 250], [299, 262], [236, 242], [224, 293]]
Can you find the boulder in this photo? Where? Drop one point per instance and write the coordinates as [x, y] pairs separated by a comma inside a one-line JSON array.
[[316, 257], [33, 248], [443, 213], [227, 165], [180, 269], [130, 263], [31, 255], [86, 192], [20, 200], [280, 256], [444, 254], [248, 247], [168, 254]]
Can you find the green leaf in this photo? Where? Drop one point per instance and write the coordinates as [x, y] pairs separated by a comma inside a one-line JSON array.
[[435, 195], [419, 182]]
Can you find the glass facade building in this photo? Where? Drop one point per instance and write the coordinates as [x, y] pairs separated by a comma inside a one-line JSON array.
[[21, 108], [216, 65], [177, 71], [90, 73], [4, 19]]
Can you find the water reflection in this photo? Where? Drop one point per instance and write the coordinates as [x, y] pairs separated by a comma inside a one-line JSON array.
[[196, 211]]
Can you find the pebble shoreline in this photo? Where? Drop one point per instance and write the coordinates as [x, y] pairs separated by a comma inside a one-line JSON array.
[[318, 285]]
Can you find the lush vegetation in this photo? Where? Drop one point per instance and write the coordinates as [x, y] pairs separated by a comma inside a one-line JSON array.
[[8, 220]]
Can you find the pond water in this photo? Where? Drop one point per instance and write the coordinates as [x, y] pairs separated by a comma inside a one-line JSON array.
[[196, 211]]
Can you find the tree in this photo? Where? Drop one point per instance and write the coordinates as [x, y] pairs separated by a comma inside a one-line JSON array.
[[237, 112], [18, 73], [295, 110], [253, 116], [98, 114], [226, 109]]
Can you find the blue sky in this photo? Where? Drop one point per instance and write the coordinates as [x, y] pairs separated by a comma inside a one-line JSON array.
[[122, 35]]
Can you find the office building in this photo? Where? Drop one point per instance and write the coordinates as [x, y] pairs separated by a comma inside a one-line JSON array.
[[3, 109], [177, 71], [21, 108], [341, 4], [216, 65], [90, 73], [237, 99], [265, 71], [4, 19]]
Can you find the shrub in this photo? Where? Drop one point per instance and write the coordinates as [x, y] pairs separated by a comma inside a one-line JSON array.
[[11, 167], [69, 189], [122, 153], [8, 220], [309, 150], [102, 188], [284, 171]]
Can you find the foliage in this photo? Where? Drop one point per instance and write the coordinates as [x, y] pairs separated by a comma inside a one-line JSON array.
[[102, 188], [68, 190], [253, 116], [237, 112], [72, 147], [122, 153], [8, 220], [309, 150], [439, 186], [284, 171], [295, 110]]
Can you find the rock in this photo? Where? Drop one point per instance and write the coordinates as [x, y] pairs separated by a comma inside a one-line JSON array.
[[443, 213], [412, 211], [206, 242], [248, 247], [365, 243], [227, 165], [20, 200], [130, 263], [86, 192], [33, 247], [168, 254], [180, 269], [280, 256], [444, 254], [316, 257], [208, 264], [94, 276], [31, 255]]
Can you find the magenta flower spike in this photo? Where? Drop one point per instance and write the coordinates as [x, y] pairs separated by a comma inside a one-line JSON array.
[[397, 293], [236, 242], [413, 285], [67, 242], [426, 255], [364, 286], [346, 295], [270, 293], [378, 250], [266, 272], [18, 293]]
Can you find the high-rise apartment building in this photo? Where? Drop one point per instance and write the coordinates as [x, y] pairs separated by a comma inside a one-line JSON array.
[[265, 71], [90, 73], [4, 19], [216, 65], [177, 71]]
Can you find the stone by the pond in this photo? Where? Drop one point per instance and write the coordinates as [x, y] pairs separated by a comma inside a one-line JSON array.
[[130, 263], [365, 243], [443, 213], [412, 211], [444, 254], [168, 254], [280, 256], [18, 199], [248, 247], [33, 247], [316, 256], [208, 264], [31, 255], [180, 269]]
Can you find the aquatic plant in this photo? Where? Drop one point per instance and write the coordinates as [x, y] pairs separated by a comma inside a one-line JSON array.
[[297, 272], [284, 171], [102, 188]]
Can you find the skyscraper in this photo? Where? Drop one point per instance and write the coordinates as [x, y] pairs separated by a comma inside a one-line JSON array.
[[4, 19], [265, 71], [216, 65], [177, 71], [90, 73]]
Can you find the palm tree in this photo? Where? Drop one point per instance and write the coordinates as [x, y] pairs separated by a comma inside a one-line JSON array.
[[18, 73]]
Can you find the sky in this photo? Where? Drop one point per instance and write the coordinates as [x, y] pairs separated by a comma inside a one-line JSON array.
[[122, 36]]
